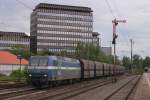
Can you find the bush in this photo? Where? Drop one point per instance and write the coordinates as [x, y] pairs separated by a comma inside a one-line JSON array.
[[17, 74], [2, 75]]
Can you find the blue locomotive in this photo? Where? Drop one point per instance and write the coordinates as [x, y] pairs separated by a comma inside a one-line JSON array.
[[45, 70]]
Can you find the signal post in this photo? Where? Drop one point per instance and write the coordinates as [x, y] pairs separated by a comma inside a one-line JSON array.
[[115, 35]]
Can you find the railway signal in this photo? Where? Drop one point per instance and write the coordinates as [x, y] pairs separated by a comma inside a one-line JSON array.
[[115, 35]]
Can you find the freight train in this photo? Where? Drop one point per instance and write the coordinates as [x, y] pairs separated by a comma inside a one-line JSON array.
[[46, 70]]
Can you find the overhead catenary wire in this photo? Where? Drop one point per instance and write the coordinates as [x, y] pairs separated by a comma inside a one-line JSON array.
[[25, 5], [116, 9], [110, 9], [126, 38], [113, 15], [4, 24], [11, 26]]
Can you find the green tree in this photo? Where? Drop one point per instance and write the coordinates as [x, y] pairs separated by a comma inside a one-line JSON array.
[[137, 63], [80, 51], [146, 62], [126, 62], [110, 59], [17, 74], [21, 50], [92, 52], [62, 53], [45, 53]]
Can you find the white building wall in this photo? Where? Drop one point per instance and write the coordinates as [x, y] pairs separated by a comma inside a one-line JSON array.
[[7, 69], [107, 50]]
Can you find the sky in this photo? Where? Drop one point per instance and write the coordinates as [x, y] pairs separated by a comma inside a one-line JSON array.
[[15, 16]]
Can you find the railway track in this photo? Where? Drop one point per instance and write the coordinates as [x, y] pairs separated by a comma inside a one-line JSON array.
[[53, 92], [6, 93], [124, 92], [74, 92], [9, 85], [56, 93]]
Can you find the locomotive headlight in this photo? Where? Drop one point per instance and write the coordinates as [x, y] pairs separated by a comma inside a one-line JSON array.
[[30, 75], [45, 75]]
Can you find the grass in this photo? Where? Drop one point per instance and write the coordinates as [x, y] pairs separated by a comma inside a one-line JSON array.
[[5, 78], [14, 76]]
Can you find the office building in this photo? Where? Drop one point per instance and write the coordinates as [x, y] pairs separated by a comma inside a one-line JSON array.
[[8, 40], [59, 28]]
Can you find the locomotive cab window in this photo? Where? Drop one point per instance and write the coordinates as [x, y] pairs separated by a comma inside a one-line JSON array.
[[34, 61], [43, 62]]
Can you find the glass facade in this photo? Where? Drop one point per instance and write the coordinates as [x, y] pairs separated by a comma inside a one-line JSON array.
[[60, 27]]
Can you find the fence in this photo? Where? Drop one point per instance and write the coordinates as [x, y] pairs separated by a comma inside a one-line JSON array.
[[7, 69]]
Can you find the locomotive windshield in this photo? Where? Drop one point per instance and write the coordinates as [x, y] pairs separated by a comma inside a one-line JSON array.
[[34, 61], [38, 61], [43, 61]]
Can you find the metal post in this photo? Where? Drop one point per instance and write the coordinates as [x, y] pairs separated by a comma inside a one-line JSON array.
[[131, 54], [115, 23], [20, 64], [114, 54], [115, 62], [88, 53], [20, 58], [114, 42]]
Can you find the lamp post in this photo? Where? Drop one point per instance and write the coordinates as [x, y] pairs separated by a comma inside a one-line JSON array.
[[20, 59]]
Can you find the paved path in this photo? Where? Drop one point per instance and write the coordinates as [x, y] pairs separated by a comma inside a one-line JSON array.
[[143, 89]]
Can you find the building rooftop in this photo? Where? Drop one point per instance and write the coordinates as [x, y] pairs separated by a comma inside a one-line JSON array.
[[13, 33], [95, 34], [10, 59], [63, 7]]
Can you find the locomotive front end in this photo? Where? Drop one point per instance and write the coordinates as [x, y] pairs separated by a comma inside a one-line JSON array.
[[37, 71]]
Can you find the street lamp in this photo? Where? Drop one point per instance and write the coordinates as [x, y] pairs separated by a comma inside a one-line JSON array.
[[20, 59]]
